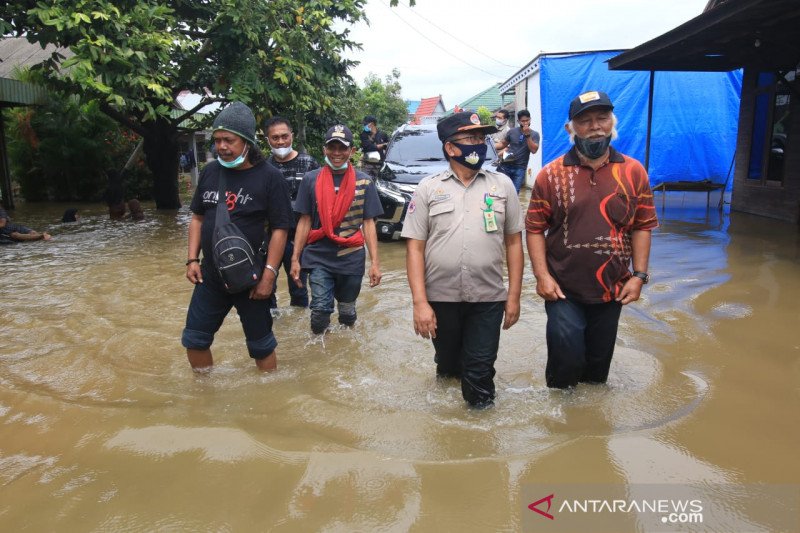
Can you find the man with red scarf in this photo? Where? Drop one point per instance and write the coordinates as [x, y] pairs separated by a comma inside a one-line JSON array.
[[337, 206]]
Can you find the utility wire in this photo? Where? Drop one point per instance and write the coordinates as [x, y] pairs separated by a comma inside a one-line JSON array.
[[436, 44], [481, 52]]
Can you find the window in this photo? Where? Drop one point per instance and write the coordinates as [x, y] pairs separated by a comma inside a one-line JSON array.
[[771, 128]]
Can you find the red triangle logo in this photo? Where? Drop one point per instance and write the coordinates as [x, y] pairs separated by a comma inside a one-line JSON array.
[[546, 514]]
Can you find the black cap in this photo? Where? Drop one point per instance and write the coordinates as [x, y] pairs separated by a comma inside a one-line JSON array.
[[369, 119], [459, 122], [588, 100], [339, 133]]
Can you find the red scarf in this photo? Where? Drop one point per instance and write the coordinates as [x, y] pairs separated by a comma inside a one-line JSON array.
[[333, 207]]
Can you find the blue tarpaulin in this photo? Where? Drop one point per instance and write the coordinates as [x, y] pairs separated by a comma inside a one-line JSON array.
[[695, 114]]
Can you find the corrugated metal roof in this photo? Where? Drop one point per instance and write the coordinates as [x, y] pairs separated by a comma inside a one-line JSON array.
[[489, 98], [16, 53], [19, 93]]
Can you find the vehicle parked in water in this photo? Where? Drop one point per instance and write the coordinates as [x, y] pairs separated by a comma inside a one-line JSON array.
[[414, 152]]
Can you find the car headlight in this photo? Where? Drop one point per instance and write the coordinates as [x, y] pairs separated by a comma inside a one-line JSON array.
[[388, 189]]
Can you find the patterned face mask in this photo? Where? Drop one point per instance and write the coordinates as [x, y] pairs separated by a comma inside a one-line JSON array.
[[472, 155]]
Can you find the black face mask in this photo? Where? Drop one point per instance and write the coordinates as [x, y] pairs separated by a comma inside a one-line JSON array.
[[472, 155], [593, 149]]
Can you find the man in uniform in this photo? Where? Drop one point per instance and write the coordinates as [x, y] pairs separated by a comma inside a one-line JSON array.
[[294, 166], [597, 209], [460, 226]]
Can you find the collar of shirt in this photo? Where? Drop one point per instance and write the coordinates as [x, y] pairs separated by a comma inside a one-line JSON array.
[[448, 173], [572, 158]]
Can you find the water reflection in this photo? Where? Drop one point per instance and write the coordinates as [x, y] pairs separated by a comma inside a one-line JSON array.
[[102, 421]]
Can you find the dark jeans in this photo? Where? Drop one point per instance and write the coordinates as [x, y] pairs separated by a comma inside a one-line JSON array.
[[517, 174], [210, 305], [325, 286], [298, 296], [580, 342], [467, 337]]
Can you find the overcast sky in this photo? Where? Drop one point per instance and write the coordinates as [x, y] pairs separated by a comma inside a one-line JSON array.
[[459, 48]]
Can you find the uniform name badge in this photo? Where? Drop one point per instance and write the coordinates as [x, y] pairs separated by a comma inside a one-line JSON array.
[[489, 221]]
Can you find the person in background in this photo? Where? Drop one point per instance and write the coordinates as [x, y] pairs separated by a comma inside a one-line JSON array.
[[461, 224], [11, 232], [373, 146], [293, 165], [581, 243], [517, 147], [136, 211], [501, 122], [115, 195], [337, 206], [70, 215]]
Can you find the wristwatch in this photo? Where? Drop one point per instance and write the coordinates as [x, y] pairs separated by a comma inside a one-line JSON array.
[[190, 261], [644, 276]]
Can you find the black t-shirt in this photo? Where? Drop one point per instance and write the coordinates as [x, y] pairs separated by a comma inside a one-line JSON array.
[[255, 196]]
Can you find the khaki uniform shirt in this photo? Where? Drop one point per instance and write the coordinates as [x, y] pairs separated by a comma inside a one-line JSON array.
[[463, 262]]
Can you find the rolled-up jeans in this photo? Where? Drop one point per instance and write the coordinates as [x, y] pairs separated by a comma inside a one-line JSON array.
[[467, 338], [580, 341], [210, 305]]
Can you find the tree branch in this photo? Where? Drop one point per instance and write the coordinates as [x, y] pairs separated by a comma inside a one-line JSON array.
[[122, 119]]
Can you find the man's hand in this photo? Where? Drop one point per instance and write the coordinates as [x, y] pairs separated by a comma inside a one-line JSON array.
[[424, 320], [630, 291], [547, 288], [193, 273], [511, 312], [294, 272], [374, 275], [263, 290]]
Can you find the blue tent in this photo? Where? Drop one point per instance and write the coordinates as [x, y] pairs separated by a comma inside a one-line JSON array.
[[694, 122]]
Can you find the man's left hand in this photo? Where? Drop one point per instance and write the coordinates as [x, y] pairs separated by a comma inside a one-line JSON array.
[[374, 275], [630, 291], [263, 290], [511, 313]]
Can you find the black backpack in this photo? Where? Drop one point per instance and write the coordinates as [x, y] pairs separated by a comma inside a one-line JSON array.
[[239, 266]]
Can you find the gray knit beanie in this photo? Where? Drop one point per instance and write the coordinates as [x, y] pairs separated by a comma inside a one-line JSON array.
[[239, 119]]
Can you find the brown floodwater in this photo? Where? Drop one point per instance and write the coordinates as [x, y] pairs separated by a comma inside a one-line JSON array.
[[103, 426]]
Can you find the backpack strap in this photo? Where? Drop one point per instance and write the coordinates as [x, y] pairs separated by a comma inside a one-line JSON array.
[[222, 216], [222, 208]]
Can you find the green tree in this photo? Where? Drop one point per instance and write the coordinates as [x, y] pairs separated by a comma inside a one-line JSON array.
[[61, 151], [135, 56], [485, 115], [383, 100]]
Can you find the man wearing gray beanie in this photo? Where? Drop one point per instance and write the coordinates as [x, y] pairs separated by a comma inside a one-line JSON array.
[[255, 194]]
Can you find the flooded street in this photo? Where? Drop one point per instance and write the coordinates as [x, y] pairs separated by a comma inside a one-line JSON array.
[[103, 426]]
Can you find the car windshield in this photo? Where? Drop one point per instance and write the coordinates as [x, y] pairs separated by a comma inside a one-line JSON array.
[[412, 146]]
